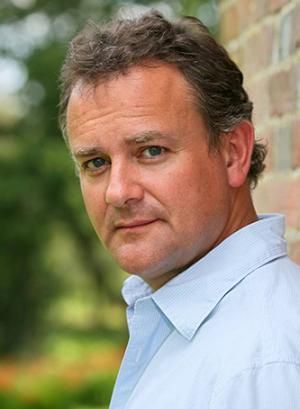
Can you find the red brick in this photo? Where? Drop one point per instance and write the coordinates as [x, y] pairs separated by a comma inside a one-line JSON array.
[[275, 5], [281, 149], [250, 11], [246, 12], [282, 93], [273, 96], [262, 43], [296, 145], [259, 93], [296, 28], [294, 251], [266, 48], [280, 194], [262, 8], [229, 25], [296, 75]]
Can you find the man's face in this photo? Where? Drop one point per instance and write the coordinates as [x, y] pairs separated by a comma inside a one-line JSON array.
[[156, 196]]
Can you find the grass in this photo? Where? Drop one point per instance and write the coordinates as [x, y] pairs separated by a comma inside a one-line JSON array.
[[77, 371], [76, 364]]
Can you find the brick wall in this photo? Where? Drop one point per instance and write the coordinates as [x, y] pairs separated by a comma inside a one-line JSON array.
[[263, 37]]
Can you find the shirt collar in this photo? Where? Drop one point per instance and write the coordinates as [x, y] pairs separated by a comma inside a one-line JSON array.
[[187, 299], [135, 288]]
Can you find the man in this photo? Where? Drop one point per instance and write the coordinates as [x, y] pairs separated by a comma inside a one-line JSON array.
[[159, 125]]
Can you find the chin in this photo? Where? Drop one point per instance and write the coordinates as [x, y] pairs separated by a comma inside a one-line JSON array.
[[139, 265], [138, 268], [148, 262]]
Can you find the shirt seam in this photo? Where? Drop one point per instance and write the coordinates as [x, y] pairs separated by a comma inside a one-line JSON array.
[[255, 367]]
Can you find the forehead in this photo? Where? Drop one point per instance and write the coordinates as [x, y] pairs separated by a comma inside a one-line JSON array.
[[146, 97], [152, 82]]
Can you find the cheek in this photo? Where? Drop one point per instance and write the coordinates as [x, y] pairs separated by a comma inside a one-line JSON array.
[[199, 196], [93, 199]]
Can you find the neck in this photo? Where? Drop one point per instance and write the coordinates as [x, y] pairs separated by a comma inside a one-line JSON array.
[[242, 213]]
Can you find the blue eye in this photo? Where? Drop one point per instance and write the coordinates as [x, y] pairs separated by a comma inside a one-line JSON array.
[[153, 151], [95, 164]]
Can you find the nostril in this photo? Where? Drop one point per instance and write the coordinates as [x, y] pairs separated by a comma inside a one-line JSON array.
[[122, 190]]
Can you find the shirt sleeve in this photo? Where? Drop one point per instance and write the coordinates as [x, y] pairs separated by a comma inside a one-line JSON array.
[[272, 386]]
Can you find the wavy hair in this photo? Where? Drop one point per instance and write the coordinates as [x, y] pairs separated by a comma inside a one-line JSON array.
[[99, 52]]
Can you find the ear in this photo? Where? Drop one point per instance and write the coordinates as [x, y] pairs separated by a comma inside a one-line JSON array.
[[238, 149]]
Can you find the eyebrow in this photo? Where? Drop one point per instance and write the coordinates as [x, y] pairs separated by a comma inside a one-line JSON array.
[[139, 138], [146, 136], [84, 152]]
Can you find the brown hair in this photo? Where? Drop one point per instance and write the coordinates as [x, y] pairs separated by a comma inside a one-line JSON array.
[[99, 52]]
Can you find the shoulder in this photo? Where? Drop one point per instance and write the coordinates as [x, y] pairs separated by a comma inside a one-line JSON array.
[[271, 385], [259, 321], [262, 366], [272, 296], [270, 293]]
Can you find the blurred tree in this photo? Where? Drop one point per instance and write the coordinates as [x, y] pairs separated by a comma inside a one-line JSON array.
[[40, 199]]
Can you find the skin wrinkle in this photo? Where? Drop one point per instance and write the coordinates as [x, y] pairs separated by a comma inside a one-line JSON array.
[[221, 100], [84, 91], [188, 181]]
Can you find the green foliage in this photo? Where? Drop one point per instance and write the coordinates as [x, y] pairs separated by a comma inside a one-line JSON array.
[[39, 190], [94, 392], [40, 201], [25, 282], [97, 391]]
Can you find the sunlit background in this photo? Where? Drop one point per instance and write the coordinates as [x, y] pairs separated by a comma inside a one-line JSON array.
[[62, 325]]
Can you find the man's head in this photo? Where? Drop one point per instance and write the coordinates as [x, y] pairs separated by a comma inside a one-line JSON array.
[[101, 52], [160, 127]]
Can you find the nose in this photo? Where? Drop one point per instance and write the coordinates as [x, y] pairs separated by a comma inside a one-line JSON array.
[[124, 186]]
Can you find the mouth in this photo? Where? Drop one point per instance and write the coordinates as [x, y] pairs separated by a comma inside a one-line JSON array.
[[135, 224]]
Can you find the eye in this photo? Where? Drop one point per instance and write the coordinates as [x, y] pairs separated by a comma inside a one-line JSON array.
[[94, 164], [153, 151]]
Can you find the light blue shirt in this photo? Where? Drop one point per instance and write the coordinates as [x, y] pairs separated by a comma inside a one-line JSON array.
[[224, 334]]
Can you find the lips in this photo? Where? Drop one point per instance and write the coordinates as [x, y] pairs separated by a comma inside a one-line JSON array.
[[134, 224]]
